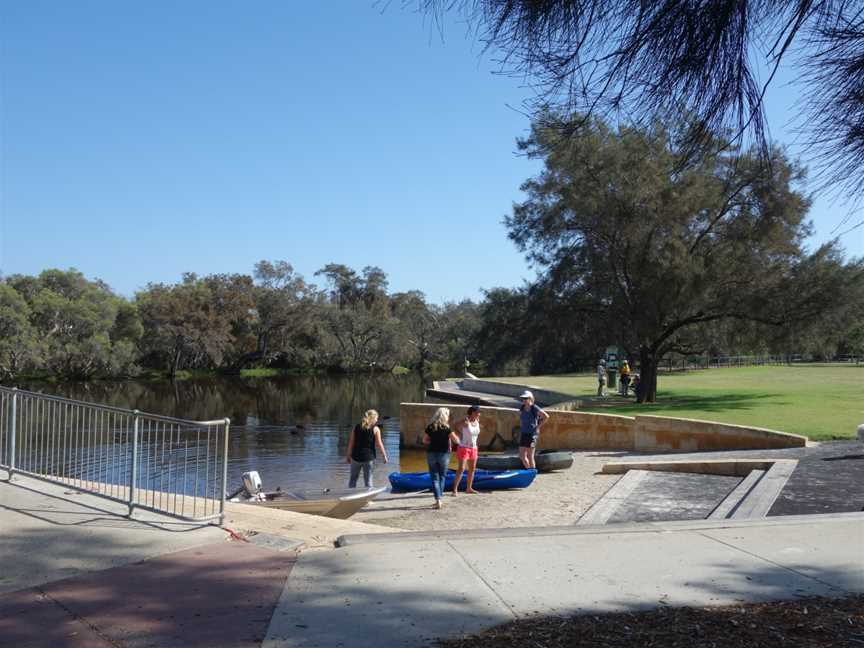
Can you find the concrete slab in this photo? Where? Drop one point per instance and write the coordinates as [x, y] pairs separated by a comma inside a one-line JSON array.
[[368, 596], [830, 553], [615, 573], [55, 533], [410, 591]]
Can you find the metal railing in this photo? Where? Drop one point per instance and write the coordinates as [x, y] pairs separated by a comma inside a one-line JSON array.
[[150, 462]]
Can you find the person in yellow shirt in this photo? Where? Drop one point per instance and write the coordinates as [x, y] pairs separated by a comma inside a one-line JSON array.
[[625, 378]]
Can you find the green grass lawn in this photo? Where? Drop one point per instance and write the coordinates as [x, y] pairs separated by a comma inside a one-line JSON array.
[[818, 401]]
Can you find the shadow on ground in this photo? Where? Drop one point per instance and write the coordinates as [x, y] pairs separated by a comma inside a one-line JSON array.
[[712, 403], [409, 594], [218, 595]]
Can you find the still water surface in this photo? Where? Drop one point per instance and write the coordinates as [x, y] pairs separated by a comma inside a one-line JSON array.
[[265, 414]]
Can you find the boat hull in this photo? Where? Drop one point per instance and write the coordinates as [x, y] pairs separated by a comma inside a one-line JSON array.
[[483, 480], [546, 460], [340, 504]]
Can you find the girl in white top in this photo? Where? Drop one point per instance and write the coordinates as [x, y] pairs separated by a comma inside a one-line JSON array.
[[469, 431]]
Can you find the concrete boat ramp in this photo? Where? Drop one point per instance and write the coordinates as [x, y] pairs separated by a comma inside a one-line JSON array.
[[451, 391], [475, 391]]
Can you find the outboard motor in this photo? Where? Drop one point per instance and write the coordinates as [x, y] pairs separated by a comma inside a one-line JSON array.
[[252, 483]]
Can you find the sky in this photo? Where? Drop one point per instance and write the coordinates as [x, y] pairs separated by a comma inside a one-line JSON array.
[[139, 141]]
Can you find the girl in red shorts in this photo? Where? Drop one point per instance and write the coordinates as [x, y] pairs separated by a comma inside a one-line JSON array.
[[468, 430]]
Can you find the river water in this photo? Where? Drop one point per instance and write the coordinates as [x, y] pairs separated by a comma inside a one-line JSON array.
[[293, 430]]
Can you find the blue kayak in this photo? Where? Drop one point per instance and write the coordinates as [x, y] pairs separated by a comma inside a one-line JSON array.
[[483, 480]]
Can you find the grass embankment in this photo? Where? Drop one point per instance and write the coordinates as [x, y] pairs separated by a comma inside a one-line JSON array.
[[818, 401]]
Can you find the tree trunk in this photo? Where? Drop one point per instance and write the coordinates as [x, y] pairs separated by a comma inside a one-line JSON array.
[[244, 360], [175, 364], [647, 391]]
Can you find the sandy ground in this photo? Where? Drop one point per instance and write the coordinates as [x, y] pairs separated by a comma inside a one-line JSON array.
[[314, 531], [554, 498]]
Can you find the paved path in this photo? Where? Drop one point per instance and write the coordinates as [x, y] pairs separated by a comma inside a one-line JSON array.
[[406, 590], [212, 596], [48, 532]]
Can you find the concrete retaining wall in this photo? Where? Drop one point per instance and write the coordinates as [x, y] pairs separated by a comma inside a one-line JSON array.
[[588, 431], [688, 435]]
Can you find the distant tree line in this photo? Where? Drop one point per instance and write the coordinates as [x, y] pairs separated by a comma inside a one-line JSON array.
[[637, 243], [61, 324]]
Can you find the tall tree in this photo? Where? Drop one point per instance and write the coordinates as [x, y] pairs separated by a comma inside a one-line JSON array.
[[279, 314], [647, 241], [358, 317], [84, 329], [345, 285], [608, 58], [185, 326], [19, 344], [420, 324]]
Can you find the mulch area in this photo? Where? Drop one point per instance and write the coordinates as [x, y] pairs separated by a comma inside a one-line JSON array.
[[806, 623]]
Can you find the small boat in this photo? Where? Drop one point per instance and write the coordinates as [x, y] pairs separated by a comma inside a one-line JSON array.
[[546, 460], [340, 503], [483, 480]]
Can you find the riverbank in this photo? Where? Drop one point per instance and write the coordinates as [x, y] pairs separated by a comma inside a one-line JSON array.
[[553, 499]]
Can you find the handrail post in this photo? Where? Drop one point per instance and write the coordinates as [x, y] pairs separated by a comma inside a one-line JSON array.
[[12, 430], [224, 472], [133, 477]]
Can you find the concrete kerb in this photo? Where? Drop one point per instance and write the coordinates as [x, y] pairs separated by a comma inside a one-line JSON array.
[[758, 501], [731, 468], [592, 529], [604, 508], [726, 507]]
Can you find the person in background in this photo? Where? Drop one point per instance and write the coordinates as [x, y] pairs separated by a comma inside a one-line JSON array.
[[637, 385], [625, 377], [364, 439], [438, 439], [531, 418], [469, 429], [601, 379]]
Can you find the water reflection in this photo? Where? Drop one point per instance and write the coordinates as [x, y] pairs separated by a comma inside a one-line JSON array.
[[293, 430]]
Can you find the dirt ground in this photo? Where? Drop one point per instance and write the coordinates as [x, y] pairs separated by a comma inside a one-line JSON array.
[[553, 499], [806, 623]]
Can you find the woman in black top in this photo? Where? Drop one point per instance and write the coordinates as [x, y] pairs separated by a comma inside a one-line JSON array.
[[438, 439], [364, 438]]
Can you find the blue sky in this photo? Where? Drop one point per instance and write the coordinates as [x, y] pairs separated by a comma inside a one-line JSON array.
[[142, 140]]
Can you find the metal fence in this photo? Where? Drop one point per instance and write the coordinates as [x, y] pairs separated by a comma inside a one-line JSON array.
[[146, 461]]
